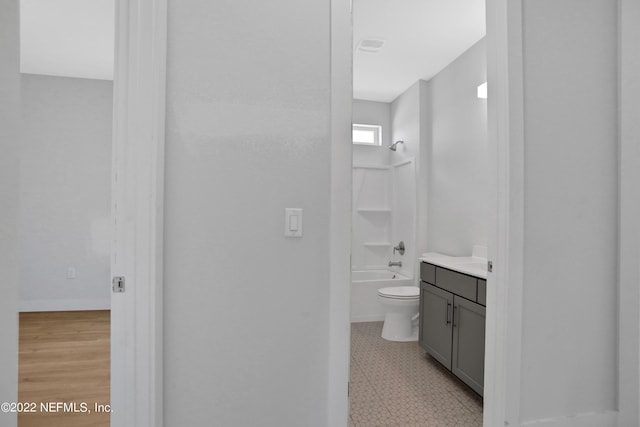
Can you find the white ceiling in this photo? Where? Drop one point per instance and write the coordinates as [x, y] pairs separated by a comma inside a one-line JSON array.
[[421, 38], [75, 38], [72, 38]]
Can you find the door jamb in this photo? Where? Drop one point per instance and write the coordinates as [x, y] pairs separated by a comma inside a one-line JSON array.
[[629, 213], [137, 212], [340, 214], [506, 135], [506, 246]]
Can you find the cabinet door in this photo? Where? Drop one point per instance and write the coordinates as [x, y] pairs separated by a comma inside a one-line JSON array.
[[468, 343], [436, 311]]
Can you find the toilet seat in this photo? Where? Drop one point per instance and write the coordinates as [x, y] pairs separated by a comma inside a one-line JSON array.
[[400, 292]]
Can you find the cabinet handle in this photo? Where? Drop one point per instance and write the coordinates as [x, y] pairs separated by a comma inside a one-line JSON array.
[[454, 316], [448, 318]]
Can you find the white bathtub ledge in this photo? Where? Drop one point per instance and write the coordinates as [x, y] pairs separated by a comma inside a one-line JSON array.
[[471, 265]]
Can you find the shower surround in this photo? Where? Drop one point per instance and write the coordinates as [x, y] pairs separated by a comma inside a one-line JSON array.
[[383, 214]]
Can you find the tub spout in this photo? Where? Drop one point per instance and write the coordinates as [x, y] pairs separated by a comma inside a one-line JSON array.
[[395, 264]]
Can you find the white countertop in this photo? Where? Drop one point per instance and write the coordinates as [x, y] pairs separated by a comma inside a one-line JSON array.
[[474, 266]]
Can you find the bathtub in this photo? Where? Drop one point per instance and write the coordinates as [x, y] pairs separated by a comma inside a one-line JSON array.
[[364, 292]]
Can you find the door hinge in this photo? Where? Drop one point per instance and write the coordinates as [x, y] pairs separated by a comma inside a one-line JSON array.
[[117, 284], [489, 266]]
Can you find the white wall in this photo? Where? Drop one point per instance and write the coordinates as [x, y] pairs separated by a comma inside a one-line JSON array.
[[9, 184], [443, 125], [409, 125], [65, 193], [246, 312], [458, 171], [569, 336], [72, 38]]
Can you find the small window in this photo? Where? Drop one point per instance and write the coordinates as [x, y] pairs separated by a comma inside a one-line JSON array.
[[367, 134]]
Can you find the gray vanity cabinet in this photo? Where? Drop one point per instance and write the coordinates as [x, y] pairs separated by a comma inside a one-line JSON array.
[[468, 343], [436, 309], [452, 322]]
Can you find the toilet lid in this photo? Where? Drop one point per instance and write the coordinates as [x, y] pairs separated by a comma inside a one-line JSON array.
[[400, 292]]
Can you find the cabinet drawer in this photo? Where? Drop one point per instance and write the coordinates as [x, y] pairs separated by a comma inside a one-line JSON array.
[[482, 292], [427, 273], [457, 283]]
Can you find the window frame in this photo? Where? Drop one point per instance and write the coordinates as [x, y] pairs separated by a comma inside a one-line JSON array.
[[363, 127]]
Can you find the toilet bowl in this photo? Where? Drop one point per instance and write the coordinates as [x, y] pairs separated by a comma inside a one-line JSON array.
[[401, 309]]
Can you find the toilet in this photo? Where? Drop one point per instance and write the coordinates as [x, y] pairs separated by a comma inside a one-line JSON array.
[[400, 304]]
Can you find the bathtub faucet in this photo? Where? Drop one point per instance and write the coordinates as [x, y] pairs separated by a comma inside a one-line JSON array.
[[399, 248], [395, 264]]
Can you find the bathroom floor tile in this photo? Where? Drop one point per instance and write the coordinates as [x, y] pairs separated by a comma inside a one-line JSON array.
[[398, 385]]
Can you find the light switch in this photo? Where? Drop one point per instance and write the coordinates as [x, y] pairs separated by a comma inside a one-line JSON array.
[[293, 222]]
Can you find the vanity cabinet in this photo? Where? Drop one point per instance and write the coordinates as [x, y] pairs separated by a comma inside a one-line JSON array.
[[435, 335], [468, 343], [452, 322]]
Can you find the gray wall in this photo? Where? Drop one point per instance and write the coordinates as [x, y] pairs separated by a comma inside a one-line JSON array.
[[246, 309], [9, 184], [65, 193], [569, 336], [457, 172]]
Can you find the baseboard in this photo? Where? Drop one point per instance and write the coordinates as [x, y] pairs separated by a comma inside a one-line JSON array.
[[369, 318], [591, 419], [65, 304]]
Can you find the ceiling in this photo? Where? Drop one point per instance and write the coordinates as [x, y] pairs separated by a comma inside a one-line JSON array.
[[72, 38], [75, 38], [421, 38]]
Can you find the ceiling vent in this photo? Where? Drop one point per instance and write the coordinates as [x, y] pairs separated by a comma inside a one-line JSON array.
[[370, 45]]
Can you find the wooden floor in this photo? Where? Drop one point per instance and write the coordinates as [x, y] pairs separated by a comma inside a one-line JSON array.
[[64, 358]]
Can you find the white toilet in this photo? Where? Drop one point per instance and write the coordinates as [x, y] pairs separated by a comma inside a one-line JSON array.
[[401, 310]]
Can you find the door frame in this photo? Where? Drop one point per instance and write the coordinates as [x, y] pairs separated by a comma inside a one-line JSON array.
[[629, 213], [505, 125], [506, 144], [137, 212], [506, 139], [340, 214]]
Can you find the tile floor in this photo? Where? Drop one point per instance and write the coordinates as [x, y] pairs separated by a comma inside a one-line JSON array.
[[397, 384]]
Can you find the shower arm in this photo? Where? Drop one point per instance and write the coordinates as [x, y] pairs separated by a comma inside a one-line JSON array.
[[393, 147]]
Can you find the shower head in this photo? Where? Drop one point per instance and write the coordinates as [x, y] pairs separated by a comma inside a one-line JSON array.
[[393, 147]]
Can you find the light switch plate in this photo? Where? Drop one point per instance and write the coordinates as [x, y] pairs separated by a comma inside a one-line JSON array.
[[293, 222]]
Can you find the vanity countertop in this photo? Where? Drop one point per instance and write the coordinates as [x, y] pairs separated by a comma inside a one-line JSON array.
[[473, 266]]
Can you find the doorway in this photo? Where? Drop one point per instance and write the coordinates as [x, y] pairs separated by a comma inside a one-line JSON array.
[[134, 242], [424, 95], [66, 65]]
